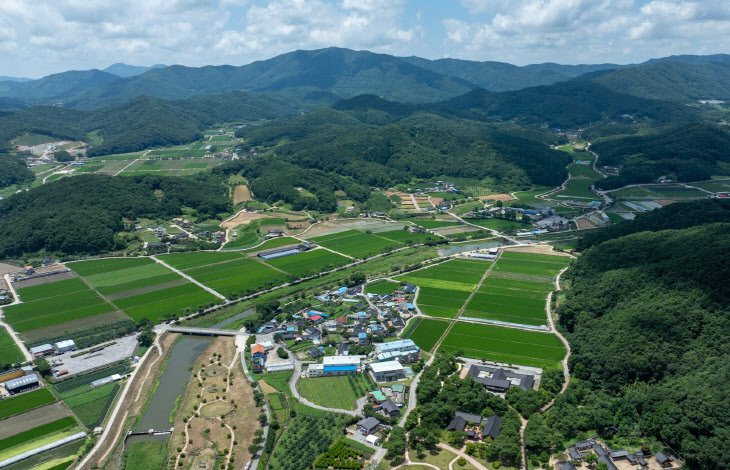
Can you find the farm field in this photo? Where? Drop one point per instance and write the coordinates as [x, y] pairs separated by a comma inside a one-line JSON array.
[[429, 224], [534, 268], [185, 261], [269, 244], [499, 225], [239, 276], [90, 405], [407, 238], [427, 333], [143, 288], [278, 380], [41, 435], [70, 303], [504, 345], [309, 262], [336, 392], [9, 352], [444, 288], [357, 244], [381, 287], [27, 401]]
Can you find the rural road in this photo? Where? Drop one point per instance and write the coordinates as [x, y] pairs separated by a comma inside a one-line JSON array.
[[240, 347]]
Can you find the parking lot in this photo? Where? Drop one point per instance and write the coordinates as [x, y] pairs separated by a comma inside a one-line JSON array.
[[123, 349]]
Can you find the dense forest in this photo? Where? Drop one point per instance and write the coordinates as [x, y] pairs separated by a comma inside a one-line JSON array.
[[13, 170], [382, 147], [685, 152], [82, 215], [646, 319]]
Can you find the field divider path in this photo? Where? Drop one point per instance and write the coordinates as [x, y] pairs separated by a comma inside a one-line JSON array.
[[103, 297], [132, 162], [220, 296], [260, 261]]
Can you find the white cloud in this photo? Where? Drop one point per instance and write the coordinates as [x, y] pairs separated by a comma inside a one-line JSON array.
[[570, 31]]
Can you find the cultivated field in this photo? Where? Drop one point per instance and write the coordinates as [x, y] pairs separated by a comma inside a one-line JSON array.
[[357, 244], [427, 333], [26, 401], [504, 345], [9, 352], [36, 437], [142, 288], [381, 287], [240, 276], [310, 262], [336, 392], [72, 301], [444, 288]]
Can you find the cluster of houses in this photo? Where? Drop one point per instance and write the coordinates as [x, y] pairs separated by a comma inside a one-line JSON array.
[[475, 426], [498, 380], [577, 453]]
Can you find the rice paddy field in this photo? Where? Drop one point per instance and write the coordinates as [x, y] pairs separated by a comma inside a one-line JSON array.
[[430, 224], [90, 405], [9, 352], [70, 300], [500, 225], [336, 392], [309, 262], [445, 287], [142, 288], [237, 275], [427, 333], [515, 300], [357, 244], [381, 287], [505, 345]]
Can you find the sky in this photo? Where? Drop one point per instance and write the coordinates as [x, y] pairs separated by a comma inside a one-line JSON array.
[[42, 37]]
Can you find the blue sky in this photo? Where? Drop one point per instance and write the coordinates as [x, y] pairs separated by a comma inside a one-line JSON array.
[[48, 36]]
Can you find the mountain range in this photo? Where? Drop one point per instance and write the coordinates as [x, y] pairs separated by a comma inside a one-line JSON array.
[[311, 79]]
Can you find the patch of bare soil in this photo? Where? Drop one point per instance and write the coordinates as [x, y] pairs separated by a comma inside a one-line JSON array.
[[497, 197], [242, 218], [33, 419], [241, 194], [584, 224], [538, 249]]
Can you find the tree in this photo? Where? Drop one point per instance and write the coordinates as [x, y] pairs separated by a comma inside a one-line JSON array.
[[601, 466], [591, 458], [42, 366], [63, 156], [396, 444], [146, 338]]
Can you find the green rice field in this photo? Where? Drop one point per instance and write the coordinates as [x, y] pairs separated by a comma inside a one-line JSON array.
[[357, 244], [185, 261], [444, 288], [504, 345], [427, 333], [381, 287], [310, 262], [239, 276], [336, 392], [35, 433], [430, 224], [25, 402], [500, 225], [9, 352], [90, 405], [62, 307]]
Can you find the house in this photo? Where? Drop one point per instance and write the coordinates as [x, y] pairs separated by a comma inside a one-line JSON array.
[[390, 409], [368, 426], [181, 236], [461, 420], [274, 234], [662, 459], [64, 346], [315, 353], [343, 349], [377, 396], [605, 459], [41, 350], [28, 270], [500, 380], [160, 232], [491, 426], [565, 466], [257, 365], [315, 318], [335, 366], [599, 450], [585, 445], [574, 454], [637, 459], [409, 288], [257, 351], [389, 371], [341, 321], [21, 384]]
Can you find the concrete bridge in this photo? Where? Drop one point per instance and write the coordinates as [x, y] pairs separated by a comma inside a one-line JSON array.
[[201, 331]]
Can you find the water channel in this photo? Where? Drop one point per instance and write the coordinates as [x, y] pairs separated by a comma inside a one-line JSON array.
[[172, 381]]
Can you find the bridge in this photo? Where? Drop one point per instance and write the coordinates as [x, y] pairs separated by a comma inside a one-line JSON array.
[[186, 330]]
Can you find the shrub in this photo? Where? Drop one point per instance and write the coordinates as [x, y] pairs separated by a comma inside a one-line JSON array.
[[461, 461]]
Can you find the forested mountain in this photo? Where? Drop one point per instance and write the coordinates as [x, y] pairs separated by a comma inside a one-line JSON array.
[[56, 85], [646, 317], [565, 104], [686, 152], [5, 78], [81, 215], [676, 81], [13, 170], [140, 123], [379, 143], [126, 70]]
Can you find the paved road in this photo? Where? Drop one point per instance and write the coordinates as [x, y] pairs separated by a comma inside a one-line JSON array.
[[220, 296], [11, 331], [240, 347]]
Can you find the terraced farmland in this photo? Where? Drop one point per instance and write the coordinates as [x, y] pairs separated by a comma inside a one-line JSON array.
[[336, 392], [504, 345], [444, 288]]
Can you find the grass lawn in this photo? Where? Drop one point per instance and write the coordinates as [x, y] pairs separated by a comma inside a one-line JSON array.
[[27, 401], [427, 333], [336, 392]]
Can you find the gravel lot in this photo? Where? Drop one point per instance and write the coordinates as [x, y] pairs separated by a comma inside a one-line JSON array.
[[77, 365]]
